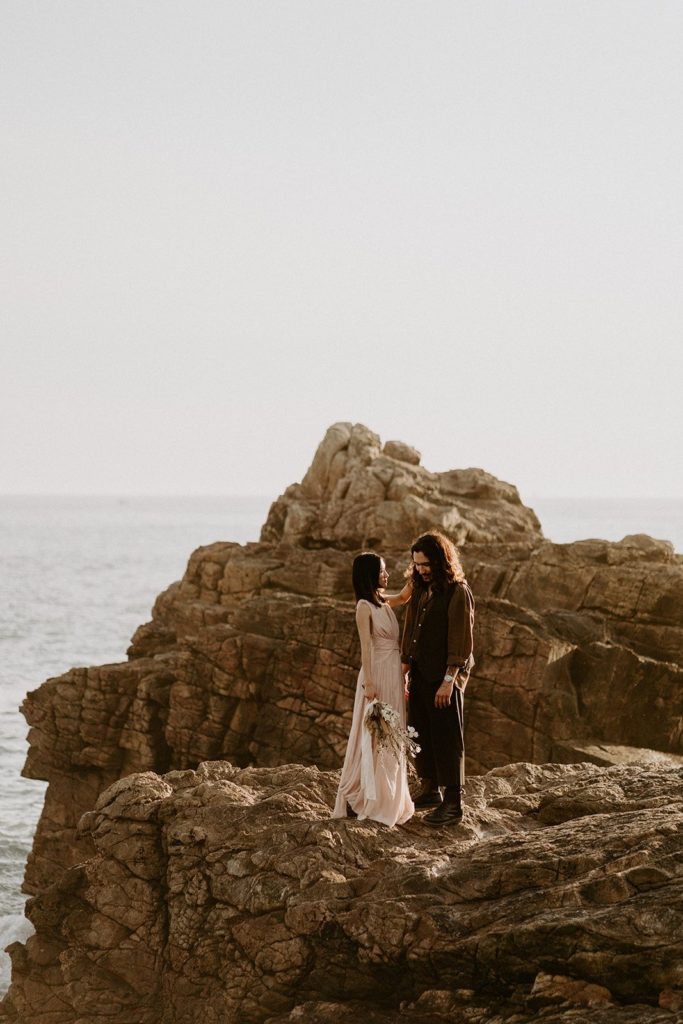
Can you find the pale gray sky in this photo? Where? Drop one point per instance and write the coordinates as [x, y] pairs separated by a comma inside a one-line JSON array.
[[227, 224]]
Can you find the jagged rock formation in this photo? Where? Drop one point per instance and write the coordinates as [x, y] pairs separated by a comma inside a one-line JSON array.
[[357, 494], [222, 895], [252, 656]]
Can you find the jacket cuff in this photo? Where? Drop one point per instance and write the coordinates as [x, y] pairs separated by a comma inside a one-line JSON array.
[[462, 666]]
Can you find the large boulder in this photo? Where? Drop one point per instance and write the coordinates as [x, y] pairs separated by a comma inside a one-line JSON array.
[[229, 896], [358, 494]]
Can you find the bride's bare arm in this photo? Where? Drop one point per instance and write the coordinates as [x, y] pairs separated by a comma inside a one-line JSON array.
[[364, 623], [396, 600]]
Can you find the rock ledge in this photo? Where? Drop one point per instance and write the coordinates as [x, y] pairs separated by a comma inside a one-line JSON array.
[[224, 895]]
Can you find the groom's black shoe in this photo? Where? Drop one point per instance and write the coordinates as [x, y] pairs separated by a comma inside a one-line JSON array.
[[429, 795], [448, 813]]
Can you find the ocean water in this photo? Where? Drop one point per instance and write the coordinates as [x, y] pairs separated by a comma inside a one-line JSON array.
[[567, 519], [79, 574]]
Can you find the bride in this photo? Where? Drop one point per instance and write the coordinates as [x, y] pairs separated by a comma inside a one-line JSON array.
[[380, 678]]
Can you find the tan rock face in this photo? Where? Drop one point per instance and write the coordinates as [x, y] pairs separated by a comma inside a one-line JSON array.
[[253, 655], [357, 494], [224, 895]]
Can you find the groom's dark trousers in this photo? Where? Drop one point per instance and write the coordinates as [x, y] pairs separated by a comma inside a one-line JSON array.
[[440, 731], [438, 633]]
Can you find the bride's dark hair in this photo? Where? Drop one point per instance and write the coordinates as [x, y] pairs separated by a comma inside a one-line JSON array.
[[365, 576]]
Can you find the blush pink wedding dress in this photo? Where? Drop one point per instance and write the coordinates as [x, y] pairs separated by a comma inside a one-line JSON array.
[[391, 803]]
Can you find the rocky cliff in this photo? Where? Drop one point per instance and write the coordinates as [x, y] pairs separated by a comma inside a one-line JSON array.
[[252, 658], [228, 895]]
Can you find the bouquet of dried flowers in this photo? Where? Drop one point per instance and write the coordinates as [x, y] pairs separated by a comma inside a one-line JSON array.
[[383, 724]]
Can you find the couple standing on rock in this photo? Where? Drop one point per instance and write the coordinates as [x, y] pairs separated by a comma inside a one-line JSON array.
[[434, 661]]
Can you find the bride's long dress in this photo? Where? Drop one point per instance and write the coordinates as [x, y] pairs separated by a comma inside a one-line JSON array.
[[392, 803]]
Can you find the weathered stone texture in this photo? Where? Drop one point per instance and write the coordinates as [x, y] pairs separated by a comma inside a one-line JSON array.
[[358, 495], [224, 895], [253, 655]]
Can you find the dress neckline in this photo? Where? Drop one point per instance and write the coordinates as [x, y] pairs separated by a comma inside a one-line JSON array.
[[378, 607]]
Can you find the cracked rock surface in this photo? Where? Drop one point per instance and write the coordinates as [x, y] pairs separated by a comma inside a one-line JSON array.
[[223, 895], [253, 655]]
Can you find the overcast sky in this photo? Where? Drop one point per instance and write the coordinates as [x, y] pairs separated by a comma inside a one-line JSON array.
[[227, 224]]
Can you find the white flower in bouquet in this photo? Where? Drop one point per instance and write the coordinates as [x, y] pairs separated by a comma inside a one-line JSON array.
[[383, 723]]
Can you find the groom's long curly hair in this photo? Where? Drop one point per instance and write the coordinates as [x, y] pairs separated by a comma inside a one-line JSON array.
[[443, 557]]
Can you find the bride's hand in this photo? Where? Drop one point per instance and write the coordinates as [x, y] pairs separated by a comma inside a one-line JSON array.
[[370, 692]]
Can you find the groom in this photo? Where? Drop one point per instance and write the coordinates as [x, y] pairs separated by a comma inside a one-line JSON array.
[[437, 652]]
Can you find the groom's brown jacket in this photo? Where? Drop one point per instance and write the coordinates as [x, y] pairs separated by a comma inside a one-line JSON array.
[[438, 632]]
